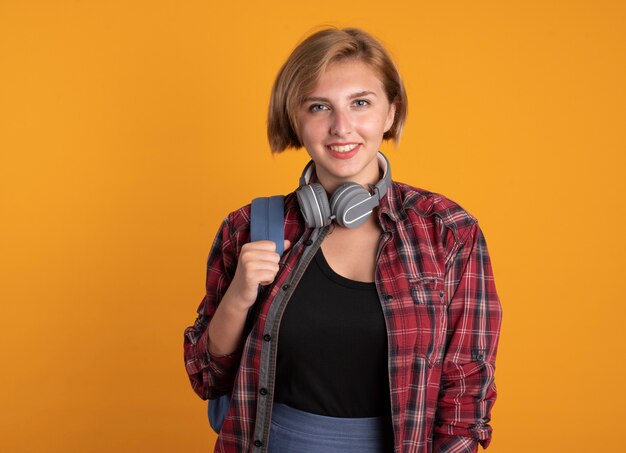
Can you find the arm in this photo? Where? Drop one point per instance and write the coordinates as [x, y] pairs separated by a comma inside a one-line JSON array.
[[213, 344], [468, 391], [212, 375]]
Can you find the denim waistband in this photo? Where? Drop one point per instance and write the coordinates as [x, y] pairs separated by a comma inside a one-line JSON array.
[[306, 422], [295, 431]]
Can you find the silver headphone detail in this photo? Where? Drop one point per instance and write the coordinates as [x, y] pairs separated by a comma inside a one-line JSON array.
[[349, 206]]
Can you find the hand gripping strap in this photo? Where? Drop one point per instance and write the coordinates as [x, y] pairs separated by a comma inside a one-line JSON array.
[[267, 216]]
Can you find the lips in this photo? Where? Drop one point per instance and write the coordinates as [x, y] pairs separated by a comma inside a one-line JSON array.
[[343, 150]]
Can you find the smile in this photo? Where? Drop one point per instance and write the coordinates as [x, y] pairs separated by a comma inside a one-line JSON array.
[[343, 148]]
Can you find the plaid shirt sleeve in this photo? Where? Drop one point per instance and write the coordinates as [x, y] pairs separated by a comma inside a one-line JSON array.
[[212, 376], [467, 386]]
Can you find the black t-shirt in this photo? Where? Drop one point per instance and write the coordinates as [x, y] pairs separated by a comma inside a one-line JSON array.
[[332, 347]]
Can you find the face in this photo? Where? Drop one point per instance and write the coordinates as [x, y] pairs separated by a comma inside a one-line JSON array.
[[341, 124]]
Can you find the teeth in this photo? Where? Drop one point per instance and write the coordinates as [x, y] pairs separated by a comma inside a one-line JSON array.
[[343, 149]]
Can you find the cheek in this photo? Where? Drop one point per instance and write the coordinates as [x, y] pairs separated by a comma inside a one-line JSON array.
[[311, 131], [373, 127]]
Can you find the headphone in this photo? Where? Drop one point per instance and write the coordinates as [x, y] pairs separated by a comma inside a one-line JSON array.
[[349, 206]]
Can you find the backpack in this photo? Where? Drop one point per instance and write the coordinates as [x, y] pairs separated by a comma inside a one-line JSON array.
[[267, 216]]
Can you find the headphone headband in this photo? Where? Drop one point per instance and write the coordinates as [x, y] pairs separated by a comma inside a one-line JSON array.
[[380, 188], [349, 206]]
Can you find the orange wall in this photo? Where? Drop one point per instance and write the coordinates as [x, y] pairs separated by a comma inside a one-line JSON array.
[[129, 129]]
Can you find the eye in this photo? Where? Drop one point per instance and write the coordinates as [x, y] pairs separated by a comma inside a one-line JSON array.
[[361, 102], [318, 108]]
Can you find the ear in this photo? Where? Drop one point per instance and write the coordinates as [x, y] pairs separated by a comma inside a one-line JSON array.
[[391, 116]]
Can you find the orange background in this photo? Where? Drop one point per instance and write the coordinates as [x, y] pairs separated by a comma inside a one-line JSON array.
[[128, 130]]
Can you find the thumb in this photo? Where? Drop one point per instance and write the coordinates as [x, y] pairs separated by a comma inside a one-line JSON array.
[[287, 244]]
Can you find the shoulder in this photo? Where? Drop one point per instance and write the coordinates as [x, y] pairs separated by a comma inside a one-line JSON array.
[[416, 205]]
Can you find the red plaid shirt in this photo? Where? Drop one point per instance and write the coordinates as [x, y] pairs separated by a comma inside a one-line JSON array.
[[436, 287]]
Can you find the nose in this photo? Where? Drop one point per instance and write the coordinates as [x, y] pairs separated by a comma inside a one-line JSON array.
[[341, 124]]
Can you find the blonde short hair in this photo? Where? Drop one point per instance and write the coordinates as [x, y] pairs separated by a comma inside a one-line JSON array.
[[308, 61]]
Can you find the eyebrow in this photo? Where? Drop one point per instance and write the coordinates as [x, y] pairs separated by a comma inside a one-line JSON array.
[[352, 96]]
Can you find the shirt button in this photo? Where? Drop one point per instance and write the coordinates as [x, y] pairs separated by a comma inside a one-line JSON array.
[[441, 294], [285, 287], [258, 443], [267, 337], [263, 391], [388, 297], [309, 242]]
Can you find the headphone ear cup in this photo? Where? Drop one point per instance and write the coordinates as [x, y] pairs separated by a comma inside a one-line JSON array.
[[314, 206], [349, 205]]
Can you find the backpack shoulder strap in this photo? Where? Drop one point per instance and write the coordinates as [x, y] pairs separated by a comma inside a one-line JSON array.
[[267, 217]]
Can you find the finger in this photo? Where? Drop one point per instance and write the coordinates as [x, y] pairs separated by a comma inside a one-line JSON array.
[[266, 277], [261, 245], [260, 266], [259, 256]]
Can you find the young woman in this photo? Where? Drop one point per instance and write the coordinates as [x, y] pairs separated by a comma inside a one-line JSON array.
[[377, 330]]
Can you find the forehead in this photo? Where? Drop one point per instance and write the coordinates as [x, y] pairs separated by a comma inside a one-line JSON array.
[[348, 75]]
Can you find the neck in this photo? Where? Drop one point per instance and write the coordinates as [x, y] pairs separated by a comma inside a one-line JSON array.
[[331, 183]]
